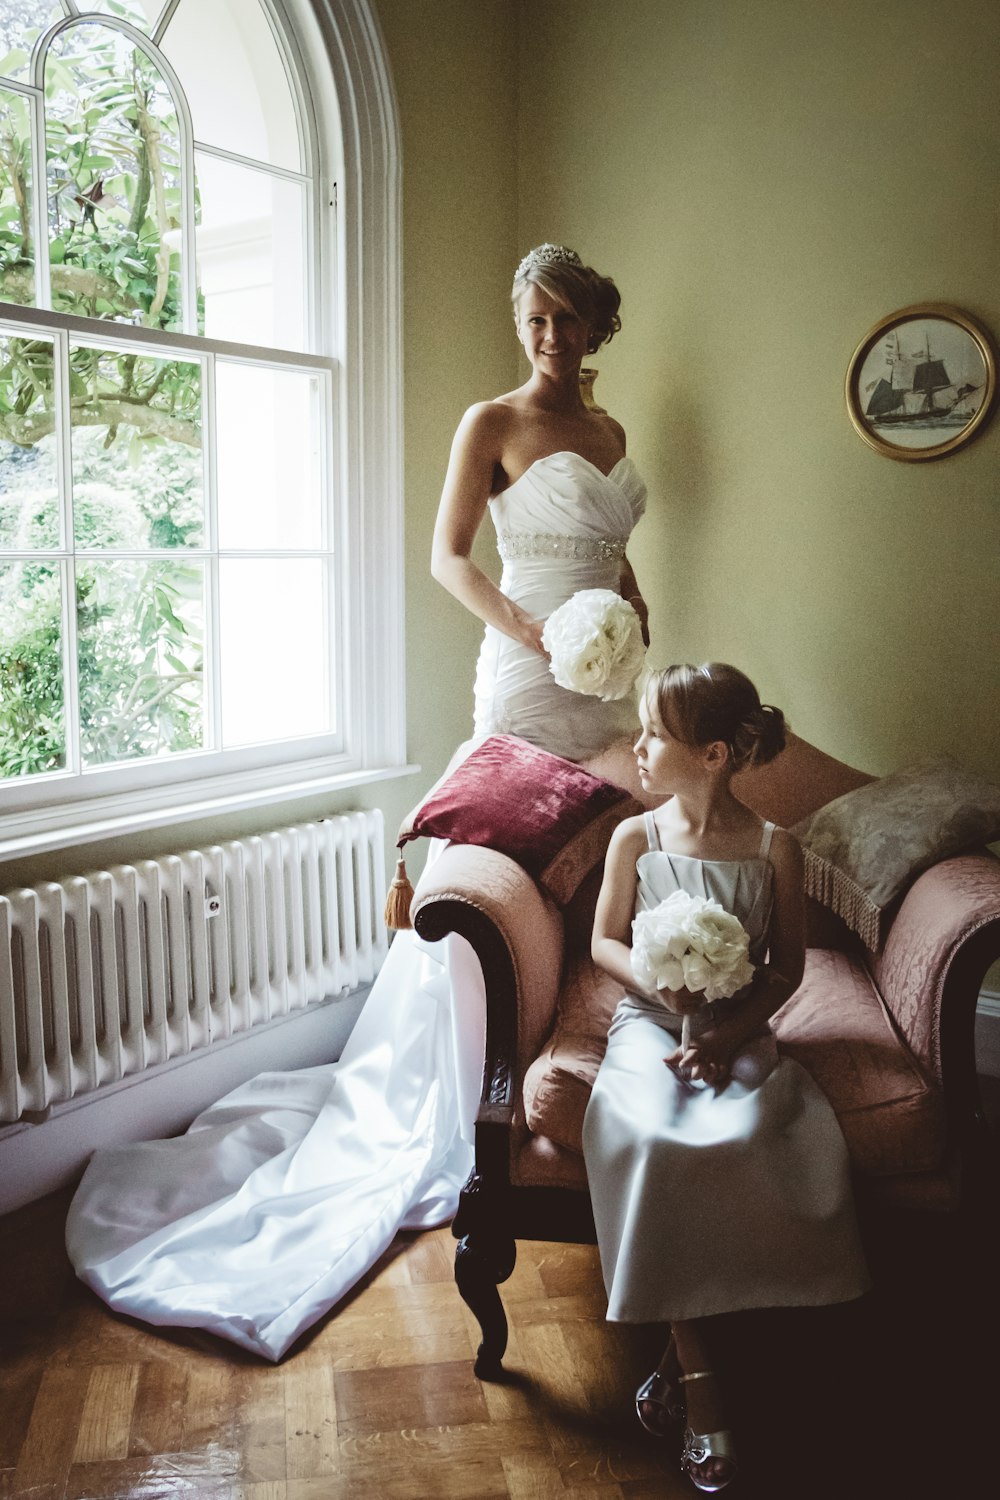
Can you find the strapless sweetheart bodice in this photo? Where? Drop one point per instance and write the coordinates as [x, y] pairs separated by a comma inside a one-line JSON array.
[[562, 526]]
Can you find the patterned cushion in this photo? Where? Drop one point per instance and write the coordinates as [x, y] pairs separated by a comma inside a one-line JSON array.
[[864, 848], [557, 1085], [836, 1026], [548, 814]]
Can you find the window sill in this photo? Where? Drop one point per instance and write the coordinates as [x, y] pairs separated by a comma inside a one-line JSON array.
[[40, 832]]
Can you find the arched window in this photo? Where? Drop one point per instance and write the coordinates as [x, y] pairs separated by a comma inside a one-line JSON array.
[[200, 538]]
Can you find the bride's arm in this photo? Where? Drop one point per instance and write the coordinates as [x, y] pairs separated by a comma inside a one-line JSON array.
[[629, 589], [475, 454]]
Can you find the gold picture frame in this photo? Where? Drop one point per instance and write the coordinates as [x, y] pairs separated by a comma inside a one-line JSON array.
[[921, 382]]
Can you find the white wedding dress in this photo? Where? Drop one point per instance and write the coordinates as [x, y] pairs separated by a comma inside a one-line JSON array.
[[280, 1196]]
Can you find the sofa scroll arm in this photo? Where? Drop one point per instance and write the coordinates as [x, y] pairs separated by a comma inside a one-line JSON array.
[[438, 918], [517, 935], [942, 941]]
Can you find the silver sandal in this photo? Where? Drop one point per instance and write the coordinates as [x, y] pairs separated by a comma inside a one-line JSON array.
[[699, 1448], [657, 1391]]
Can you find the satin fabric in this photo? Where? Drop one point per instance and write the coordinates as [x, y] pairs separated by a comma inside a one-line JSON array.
[[561, 497], [709, 1201], [280, 1197]]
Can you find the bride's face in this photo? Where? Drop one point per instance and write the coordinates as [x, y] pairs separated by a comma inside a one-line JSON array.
[[554, 336]]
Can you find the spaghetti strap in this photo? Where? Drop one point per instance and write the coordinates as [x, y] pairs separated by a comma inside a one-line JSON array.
[[652, 836], [765, 840]]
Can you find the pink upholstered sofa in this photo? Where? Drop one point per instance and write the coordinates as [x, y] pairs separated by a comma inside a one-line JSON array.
[[888, 1037]]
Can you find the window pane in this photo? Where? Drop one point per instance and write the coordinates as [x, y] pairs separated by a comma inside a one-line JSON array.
[[140, 634], [20, 23], [141, 13], [268, 457], [273, 635], [231, 70], [32, 724], [251, 254], [113, 180], [137, 457], [17, 256], [29, 488]]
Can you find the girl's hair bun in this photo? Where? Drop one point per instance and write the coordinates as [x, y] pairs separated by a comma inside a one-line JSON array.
[[699, 705]]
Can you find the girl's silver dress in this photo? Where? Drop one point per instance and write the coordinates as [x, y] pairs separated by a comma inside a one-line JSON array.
[[712, 1201]]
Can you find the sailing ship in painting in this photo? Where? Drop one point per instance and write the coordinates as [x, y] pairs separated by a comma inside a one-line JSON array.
[[918, 391]]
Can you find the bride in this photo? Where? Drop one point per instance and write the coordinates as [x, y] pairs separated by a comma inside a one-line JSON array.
[[280, 1196]]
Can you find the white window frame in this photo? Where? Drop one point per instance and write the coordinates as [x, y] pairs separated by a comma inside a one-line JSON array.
[[348, 114]]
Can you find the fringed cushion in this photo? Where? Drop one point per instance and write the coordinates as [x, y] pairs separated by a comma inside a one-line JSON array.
[[548, 814], [862, 850]]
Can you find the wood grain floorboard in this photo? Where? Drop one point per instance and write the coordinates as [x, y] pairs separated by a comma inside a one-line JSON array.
[[380, 1401]]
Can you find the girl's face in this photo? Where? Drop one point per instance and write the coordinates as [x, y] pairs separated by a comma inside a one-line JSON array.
[[554, 337], [665, 762]]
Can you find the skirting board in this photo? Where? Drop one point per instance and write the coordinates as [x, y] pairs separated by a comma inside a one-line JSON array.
[[988, 1034], [39, 1158]]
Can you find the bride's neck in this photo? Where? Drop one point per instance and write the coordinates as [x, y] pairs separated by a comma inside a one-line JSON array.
[[561, 396]]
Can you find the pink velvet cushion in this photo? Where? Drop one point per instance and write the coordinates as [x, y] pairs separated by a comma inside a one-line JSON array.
[[548, 814], [835, 1026]]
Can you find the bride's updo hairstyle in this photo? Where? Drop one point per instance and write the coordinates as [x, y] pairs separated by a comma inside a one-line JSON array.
[[562, 275], [699, 705]]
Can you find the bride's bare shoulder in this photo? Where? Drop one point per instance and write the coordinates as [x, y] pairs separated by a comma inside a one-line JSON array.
[[488, 420]]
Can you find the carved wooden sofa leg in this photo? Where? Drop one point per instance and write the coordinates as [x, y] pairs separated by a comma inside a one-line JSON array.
[[484, 1256]]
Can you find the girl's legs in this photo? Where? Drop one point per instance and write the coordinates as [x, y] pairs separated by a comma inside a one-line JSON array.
[[705, 1413]]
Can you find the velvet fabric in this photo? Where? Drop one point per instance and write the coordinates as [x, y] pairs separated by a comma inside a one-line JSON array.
[[549, 815]]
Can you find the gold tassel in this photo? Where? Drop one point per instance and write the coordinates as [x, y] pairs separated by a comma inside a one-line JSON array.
[[398, 898]]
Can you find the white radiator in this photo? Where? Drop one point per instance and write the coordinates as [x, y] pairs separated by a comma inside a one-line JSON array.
[[112, 973]]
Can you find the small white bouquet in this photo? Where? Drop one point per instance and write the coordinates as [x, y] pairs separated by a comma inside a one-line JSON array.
[[595, 644], [693, 943]]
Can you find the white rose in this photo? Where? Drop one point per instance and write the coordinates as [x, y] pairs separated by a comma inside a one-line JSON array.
[[595, 644], [691, 942]]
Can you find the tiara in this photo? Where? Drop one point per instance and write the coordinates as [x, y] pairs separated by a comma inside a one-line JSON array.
[[547, 255]]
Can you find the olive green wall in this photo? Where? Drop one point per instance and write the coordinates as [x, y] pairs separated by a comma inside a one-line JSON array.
[[765, 182], [453, 63]]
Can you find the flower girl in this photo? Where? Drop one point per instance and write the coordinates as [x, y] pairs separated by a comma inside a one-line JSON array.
[[718, 1173]]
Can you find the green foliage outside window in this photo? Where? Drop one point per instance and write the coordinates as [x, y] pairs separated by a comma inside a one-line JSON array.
[[113, 180]]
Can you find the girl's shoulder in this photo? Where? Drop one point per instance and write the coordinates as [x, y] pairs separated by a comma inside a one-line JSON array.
[[785, 852], [630, 835]]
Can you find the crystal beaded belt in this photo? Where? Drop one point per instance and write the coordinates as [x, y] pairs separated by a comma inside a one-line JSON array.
[[543, 544]]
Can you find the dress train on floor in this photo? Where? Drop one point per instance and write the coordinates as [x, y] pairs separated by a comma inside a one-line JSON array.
[[281, 1196]]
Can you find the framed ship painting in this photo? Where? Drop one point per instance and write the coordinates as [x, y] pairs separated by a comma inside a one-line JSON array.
[[921, 382]]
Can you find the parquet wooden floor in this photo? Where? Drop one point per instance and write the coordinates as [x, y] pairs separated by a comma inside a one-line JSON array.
[[381, 1400]]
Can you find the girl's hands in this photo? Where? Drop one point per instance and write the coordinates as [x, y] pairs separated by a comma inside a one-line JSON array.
[[708, 1059]]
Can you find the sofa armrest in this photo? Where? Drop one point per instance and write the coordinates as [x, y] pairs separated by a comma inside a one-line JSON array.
[[518, 937], [943, 939]]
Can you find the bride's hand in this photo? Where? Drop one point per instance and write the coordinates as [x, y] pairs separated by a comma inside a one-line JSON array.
[[531, 636]]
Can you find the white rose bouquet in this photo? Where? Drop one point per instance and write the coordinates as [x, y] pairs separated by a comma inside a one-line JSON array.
[[693, 943], [595, 644]]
